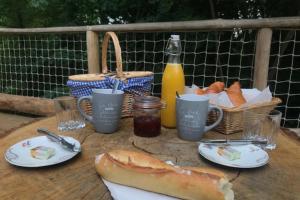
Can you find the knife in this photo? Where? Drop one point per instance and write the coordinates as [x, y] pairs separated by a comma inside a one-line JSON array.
[[58, 139], [234, 141]]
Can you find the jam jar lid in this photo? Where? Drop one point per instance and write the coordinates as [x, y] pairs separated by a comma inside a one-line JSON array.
[[147, 102]]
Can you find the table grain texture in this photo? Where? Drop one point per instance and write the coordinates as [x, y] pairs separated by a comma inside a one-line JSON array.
[[77, 178]]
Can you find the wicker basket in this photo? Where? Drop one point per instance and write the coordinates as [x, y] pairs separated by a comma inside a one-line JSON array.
[[92, 81], [232, 121]]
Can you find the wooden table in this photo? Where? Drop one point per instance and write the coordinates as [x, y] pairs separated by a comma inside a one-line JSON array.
[[77, 178]]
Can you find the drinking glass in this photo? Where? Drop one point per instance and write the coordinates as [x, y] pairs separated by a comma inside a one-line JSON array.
[[262, 125], [67, 115]]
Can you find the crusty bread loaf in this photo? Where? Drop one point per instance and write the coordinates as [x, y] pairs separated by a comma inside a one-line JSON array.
[[235, 94], [215, 87], [145, 172]]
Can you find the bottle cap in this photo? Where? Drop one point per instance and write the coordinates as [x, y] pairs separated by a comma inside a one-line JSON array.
[[175, 37]]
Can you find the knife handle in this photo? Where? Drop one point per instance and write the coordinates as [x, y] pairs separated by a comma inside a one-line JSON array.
[[59, 139], [47, 132]]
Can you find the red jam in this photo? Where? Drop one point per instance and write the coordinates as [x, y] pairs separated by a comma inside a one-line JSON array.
[[146, 126]]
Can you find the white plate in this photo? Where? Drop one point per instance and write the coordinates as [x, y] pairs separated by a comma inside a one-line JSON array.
[[20, 153], [251, 156]]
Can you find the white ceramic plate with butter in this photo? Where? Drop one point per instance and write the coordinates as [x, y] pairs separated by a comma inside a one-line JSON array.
[[39, 152], [245, 156]]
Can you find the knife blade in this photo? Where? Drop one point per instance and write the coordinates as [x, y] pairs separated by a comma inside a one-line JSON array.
[[234, 141], [58, 139]]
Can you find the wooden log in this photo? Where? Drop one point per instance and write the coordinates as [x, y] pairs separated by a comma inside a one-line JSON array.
[[25, 104], [93, 52], [214, 24], [262, 57]]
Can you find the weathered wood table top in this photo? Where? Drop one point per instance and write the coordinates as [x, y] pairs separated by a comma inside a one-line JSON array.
[[77, 178]]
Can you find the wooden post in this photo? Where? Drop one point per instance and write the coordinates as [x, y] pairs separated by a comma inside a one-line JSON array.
[[262, 57], [93, 51]]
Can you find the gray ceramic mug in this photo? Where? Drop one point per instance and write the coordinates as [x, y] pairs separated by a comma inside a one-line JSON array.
[[191, 116], [106, 109]]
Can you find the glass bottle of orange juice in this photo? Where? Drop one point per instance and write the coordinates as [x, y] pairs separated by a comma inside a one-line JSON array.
[[172, 82]]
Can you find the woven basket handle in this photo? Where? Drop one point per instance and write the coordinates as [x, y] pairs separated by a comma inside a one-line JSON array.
[[116, 42]]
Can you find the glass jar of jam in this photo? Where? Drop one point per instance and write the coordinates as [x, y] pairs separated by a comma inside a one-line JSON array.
[[146, 116]]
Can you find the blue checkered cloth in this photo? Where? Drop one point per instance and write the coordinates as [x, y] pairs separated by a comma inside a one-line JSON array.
[[135, 86]]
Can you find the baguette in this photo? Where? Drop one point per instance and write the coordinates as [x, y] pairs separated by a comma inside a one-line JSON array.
[[142, 171]]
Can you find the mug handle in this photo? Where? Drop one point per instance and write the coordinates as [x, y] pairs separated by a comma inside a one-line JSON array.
[[86, 116], [210, 108]]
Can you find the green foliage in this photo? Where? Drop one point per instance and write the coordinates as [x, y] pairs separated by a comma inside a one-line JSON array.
[[45, 13], [42, 13]]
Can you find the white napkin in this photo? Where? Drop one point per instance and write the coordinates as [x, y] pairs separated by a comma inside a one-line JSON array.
[[121, 192], [249, 94], [252, 96], [221, 99], [190, 89]]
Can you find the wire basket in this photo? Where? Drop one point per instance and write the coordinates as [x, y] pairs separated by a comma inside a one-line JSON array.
[[133, 83], [232, 121]]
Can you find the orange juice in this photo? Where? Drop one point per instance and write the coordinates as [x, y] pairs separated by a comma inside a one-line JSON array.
[[172, 81]]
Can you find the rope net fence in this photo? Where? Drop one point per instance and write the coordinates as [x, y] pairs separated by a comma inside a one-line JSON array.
[[39, 64], [206, 56], [284, 74]]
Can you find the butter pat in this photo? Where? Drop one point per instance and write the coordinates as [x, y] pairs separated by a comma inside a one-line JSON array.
[[42, 152], [229, 153]]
